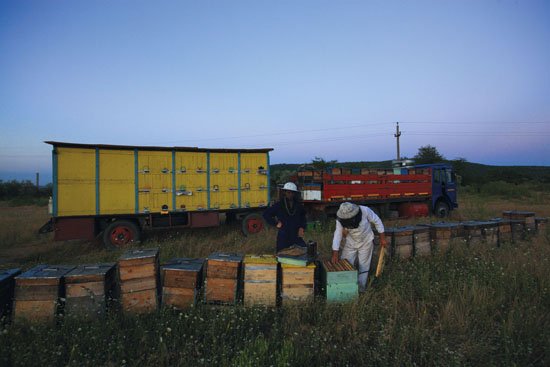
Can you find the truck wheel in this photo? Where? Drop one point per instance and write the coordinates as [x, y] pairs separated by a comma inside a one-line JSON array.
[[252, 224], [441, 209], [120, 234]]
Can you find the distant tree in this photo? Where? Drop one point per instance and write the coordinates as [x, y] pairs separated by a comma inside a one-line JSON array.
[[428, 154], [320, 163]]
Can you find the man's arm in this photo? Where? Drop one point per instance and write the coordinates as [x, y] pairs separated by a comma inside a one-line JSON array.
[[336, 242], [269, 214]]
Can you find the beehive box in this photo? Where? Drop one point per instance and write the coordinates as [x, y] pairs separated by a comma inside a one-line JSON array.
[[339, 281], [473, 233], [7, 283], [489, 231], [518, 229], [297, 283], [527, 217], [89, 288], [260, 280], [421, 241], [181, 282], [504, 230], [138, 274], [222, 277], [39, 292], [443, 235], [541, 224], [401, 241]]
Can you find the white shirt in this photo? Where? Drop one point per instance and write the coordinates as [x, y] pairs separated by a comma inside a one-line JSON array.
[[361, 235]]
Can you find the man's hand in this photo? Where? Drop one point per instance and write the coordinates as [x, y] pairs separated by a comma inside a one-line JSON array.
[[279, 225], [300, 232], [383, 242], [334, 258]]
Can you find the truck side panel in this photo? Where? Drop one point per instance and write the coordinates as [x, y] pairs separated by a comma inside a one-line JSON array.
[[224, 180], [254, 179], [76, 181], [191, 181], [117, 182], [154, 180]]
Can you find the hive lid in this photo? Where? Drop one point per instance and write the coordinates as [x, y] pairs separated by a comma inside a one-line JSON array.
[[541, 219], [223, 256], [5, 274], [90, 269], [398, 229], [441, 224], [260, 259], [525, 214], [509, 221], [46, 271], [184, 264], [310, 266], [139, 253]]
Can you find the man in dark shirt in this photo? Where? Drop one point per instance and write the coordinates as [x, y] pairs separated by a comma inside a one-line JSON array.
[[289, 216]]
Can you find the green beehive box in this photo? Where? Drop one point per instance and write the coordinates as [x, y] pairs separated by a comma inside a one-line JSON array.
[[339, 281]]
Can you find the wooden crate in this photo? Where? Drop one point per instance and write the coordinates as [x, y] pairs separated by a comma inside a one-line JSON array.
[[421, 241], [39, 292], [339, 281], [181, 282], [541, 224], [260, 280], [297, 283], [138, 274], [90, 288], [222, 278], [527, 217], [7, 285], [401, 241]]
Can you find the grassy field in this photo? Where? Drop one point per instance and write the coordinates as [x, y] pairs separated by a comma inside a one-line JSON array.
[[470, 306]]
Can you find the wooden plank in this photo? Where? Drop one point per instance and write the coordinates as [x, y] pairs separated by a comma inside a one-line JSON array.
[[221, 290], [85, 289], [138, 285], [305, 276], [35, 310], [138, 271], [37, 293], [139, 302], [260, 272], [260, 294], [181, 279], [222, 269], [36, 281]]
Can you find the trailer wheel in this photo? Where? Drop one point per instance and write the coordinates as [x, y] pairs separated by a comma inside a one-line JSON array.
[[120, 234], [252, 224], [441, 209]]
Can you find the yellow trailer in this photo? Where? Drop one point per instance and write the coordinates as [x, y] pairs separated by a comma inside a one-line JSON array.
[[120, 190]]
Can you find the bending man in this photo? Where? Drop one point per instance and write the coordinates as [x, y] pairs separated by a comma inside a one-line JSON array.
[[354, 223]]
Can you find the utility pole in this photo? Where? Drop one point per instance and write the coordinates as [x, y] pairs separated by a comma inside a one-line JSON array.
[[397, 135]]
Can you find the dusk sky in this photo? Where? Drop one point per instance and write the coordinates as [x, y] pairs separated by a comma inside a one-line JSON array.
[[308, 78]]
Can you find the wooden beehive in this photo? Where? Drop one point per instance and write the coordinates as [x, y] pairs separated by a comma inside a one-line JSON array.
[[339, 281], [518, 229], [473, 233], [297, 283], [401, 241], [490, 233], [440, 236], [39, 292], [421, 241], [90, 288], [182, 280], [527, 217], [541, 224], [504, 230], [222, 278], [7, 285], [138, 274], [260, 280]]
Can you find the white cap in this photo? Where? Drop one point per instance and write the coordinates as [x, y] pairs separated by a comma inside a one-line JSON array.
[[289, 186], [347, 210]]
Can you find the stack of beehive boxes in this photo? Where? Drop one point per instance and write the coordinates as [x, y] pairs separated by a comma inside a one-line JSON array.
[[297, 283], [182, 280], [138, 273], [421, 240], [339, 281], [39, 292], [7, 282], [528, 218], [223, 272], [89, 288], [260, 280]]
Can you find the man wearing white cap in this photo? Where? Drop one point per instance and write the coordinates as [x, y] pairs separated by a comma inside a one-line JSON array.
[[354, 221]]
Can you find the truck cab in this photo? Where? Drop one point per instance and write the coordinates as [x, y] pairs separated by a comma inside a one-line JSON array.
[[443, 188]]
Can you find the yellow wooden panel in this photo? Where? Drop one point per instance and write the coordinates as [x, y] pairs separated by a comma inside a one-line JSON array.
[[117, 182], [75, 181], [224, 180], [254, 191], [191, 181], [154, 180]]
